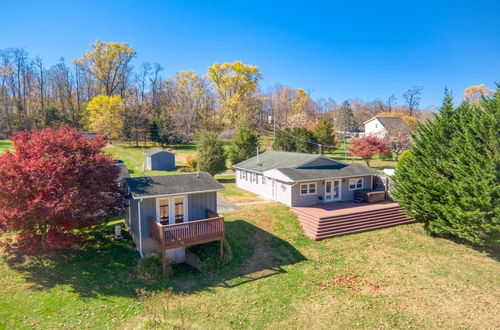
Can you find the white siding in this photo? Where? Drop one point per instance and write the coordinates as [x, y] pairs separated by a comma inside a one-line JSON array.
[[375, 128], [282, 189]]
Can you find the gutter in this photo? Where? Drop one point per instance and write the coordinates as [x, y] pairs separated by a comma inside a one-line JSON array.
[[139, 201]]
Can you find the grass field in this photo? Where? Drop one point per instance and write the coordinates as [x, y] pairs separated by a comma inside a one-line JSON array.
[[5, 145], [392, 278]]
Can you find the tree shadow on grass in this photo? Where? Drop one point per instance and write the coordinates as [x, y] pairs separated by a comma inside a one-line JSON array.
[[226, 180], [103, 267], [257, 254], [106, 267]]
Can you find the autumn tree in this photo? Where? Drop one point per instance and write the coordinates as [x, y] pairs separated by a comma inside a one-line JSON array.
[[367, 147], [243, 145], [54, 182], [211, 154], [413, 96], [105, 115], [399, 140], [109, 64], [476, 92], [235, 84]]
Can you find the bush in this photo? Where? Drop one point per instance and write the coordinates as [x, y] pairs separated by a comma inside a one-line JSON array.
[[211, 154], [192, 161], [243, 145], [209, 256], [150, 267]]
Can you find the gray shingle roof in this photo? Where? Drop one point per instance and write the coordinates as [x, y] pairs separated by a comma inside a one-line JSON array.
[[124, 173], [393, 124], [326, 172], [276, 159], [156, 151], [172, 184]]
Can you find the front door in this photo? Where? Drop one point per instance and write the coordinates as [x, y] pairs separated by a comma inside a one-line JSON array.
[[332, 190]]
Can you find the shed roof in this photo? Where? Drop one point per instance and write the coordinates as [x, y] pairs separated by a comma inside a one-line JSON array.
[[326, 172], [172, 184], [124, 173], [277, 159], [155, 151], [394, 124]]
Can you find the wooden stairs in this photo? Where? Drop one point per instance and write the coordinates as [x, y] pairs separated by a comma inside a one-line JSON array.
[[321, 227]]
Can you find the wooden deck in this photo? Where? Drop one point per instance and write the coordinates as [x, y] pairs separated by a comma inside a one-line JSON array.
[[334, 219], [188, 234]]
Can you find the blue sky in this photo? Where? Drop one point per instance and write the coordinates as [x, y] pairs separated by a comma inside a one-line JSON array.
[[337, 49]]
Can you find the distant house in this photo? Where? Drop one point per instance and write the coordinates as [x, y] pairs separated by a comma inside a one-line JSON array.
[[299, 179], [382, 127], [168, 213], [160, 160]]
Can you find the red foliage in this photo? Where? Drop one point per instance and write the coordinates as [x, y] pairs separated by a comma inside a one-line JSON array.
[[367, 147], [55, 181]]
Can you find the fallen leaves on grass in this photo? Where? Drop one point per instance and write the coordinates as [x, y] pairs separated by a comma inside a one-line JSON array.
[[351, 281]]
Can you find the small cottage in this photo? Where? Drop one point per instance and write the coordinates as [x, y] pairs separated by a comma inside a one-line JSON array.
[[168, 213], [383, 127], [160, 160]]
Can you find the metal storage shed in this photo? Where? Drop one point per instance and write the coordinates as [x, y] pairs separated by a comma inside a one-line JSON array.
[[160, 160]]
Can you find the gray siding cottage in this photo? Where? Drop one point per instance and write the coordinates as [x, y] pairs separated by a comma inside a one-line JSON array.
[[168, 213], [299, 179], [160, 160]]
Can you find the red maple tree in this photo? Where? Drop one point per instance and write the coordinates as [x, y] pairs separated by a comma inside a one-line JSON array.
[[367, 147], [56, 181]]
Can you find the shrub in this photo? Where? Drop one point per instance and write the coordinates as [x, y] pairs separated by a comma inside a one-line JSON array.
[[192, 161], [367, 147], [150, 267], [211, 154], [209, 256]]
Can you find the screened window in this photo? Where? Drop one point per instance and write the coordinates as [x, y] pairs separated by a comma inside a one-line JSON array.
[[263, 179], [308, 189], [355, 184]]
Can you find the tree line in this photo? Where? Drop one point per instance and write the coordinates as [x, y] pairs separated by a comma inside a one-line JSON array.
[[104, 91]]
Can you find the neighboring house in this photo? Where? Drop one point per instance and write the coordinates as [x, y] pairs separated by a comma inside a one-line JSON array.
[[383, 127], [173, 211], [299, 179], [160, 160]]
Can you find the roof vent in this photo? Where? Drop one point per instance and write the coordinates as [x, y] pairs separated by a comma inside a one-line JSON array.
[[258, 162]]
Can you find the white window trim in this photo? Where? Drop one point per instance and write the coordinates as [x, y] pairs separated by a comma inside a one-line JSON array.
[[356, 183], [308, 193], [171, 208]]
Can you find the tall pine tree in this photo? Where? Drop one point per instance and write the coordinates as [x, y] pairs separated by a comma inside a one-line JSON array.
[[449, 180], [211, 153], [345, 118], [243, 145]]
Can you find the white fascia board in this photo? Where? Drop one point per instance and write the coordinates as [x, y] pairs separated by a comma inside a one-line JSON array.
[[246, 169], [369, 120]]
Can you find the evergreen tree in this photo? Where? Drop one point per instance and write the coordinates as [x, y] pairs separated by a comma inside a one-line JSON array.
[[243, 145], [324, 134], [449, 179], [345, 118], [297, 139], [211, 154], [154, 131]]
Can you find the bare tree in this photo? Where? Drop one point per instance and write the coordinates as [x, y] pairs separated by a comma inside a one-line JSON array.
[[413, 97]]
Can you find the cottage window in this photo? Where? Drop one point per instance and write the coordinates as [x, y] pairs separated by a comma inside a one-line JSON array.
[[355, 184], [256, 178], [307, 189], [263, 179], [179, 209], [244, 175]]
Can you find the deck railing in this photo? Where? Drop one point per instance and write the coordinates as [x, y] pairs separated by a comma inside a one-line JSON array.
[[188, 233]]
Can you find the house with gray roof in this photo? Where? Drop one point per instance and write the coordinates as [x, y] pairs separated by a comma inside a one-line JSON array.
[[160, 160], [300, 179], [384, 127], [168, 213]]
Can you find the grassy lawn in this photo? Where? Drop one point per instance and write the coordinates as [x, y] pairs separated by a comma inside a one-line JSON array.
[[396, 277], [5, 145], [233, 194]]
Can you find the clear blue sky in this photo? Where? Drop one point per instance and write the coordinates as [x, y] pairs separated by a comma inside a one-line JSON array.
[[338, 49]]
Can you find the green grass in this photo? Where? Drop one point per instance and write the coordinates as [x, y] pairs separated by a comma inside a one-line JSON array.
[[396, 277], [5, 145]]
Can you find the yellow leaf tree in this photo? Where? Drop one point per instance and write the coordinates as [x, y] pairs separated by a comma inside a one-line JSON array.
[[105, 115], [235, 84], [109, 64], [476, 92]]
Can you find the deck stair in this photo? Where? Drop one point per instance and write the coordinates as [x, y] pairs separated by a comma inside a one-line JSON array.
[[323, 225]]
